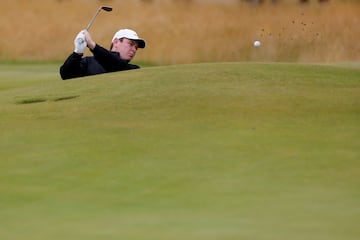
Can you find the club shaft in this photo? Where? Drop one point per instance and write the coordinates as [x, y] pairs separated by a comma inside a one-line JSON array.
[[93, 19]]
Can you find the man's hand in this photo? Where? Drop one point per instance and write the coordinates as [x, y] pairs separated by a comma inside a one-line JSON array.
[[80, 43], [90, 43]]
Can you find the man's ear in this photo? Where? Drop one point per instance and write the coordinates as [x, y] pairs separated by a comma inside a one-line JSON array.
[[113, 43]]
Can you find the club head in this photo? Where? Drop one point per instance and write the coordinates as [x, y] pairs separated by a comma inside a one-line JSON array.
[[107, 8]]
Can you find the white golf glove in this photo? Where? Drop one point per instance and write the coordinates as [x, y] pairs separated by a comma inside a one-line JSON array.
[[80, 43]]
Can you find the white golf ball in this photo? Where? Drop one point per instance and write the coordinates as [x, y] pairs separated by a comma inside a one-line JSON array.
[[257, 44]]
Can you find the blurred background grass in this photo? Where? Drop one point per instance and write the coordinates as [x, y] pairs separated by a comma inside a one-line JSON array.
[[187, 31]]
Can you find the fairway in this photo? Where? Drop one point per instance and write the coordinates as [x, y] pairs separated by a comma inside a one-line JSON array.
[[226, 151]]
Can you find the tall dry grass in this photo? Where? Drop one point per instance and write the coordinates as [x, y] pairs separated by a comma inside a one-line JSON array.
[[184, 32]]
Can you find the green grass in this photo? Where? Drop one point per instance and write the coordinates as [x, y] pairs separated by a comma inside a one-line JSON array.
[[208, 151]]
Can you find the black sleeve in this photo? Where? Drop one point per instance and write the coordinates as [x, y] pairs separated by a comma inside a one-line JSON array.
[[111, 61], [72, 67]]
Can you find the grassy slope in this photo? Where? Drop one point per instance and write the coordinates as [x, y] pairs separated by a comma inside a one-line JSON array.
[[208, 151]]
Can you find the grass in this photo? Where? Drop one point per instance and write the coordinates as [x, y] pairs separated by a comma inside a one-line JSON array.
[[204, 151]]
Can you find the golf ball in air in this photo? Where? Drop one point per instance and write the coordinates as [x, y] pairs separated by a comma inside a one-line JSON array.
[[257, 44]]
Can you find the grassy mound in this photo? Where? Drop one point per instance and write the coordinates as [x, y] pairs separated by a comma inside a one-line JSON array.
[[206, 151]]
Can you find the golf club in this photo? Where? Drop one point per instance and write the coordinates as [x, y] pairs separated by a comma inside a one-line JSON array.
[[105, 8]]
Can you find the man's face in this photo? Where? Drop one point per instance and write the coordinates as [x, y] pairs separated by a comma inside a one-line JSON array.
[[126, 47]]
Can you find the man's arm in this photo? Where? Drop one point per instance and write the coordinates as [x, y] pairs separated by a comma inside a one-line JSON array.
[[111, 61], [72, 67]]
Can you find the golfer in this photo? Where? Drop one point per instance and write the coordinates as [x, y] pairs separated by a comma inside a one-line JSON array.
[[124, 46]]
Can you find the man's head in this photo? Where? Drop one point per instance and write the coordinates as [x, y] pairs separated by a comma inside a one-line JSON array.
[[126, 42]]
